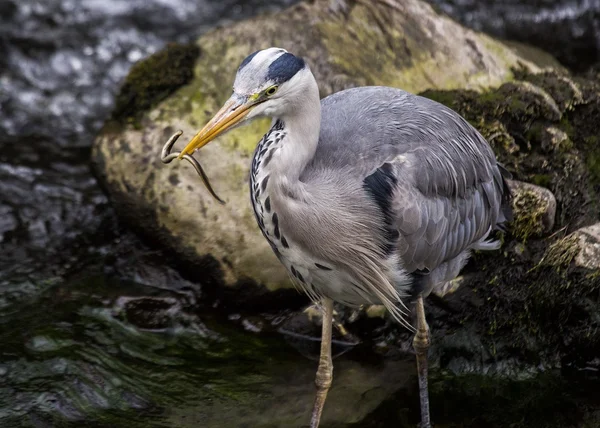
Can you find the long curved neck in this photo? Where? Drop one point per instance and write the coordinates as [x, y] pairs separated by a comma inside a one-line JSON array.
[[302, 126]]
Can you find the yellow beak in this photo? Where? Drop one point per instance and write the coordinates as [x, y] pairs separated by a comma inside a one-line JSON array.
[[231, 114]]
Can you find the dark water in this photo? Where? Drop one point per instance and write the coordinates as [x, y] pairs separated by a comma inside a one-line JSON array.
[[94, 329], [568, 29], [92, 352]]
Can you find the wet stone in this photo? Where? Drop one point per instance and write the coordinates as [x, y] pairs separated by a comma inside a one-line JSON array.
[[534, 210], [589, 244], [152, 313]]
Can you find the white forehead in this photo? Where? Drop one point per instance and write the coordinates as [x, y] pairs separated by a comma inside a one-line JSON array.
[[266, 56], [252, 74]]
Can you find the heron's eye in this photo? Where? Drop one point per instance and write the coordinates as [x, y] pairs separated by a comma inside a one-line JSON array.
[[271, 91]]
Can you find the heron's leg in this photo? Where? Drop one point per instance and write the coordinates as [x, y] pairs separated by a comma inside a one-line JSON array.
[[325, 371], [421, 344]]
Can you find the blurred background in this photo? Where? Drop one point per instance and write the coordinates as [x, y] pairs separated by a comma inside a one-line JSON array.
[[96, 329]]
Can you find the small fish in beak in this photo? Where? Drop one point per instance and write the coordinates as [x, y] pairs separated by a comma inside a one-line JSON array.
[[167, 157]]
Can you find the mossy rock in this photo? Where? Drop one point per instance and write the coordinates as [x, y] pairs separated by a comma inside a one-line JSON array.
[[153, 79], [534, 210], [536, 301], [541, 139], [396, 43]]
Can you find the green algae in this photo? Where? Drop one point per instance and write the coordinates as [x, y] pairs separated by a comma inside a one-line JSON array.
[[542, 180], [561, 253], [153, 79], [528, 210]]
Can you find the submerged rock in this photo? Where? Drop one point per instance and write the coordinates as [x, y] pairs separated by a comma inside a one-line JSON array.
[[404, 44]]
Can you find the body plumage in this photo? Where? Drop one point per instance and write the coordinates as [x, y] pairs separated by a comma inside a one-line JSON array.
[[426, 191]]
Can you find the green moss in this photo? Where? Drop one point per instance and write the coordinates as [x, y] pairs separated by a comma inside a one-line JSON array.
[[498, 136], [566, 126], [525, 102], [154, 79], [448, 98], [592, 158], [561, 141], [561, 253], [592, 140], [563, 90], [528, 209], [244, 140], [542, 180], [593, 164]]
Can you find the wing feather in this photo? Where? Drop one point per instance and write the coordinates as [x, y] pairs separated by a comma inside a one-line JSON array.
[[449, 190]]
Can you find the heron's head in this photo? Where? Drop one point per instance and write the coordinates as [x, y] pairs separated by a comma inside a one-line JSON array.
[[271, 82]]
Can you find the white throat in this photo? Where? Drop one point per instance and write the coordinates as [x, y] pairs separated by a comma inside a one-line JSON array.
[[302, 124]]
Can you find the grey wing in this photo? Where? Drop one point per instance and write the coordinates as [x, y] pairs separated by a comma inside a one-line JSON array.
[[433, 176], [437, 226]]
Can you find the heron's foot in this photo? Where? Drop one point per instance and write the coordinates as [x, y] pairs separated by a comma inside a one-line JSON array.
[[168, 155], [314, 312], [448, 287], [421, 344]]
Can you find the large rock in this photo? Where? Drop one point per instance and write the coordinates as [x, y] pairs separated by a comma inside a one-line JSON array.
[[536, 301], [397, 43]]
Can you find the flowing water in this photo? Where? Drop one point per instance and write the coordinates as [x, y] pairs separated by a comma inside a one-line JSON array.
[[95, 330], [118, 354], [569, 29]]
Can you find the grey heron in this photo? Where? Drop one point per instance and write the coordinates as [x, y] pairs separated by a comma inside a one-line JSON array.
[[372, 195]]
